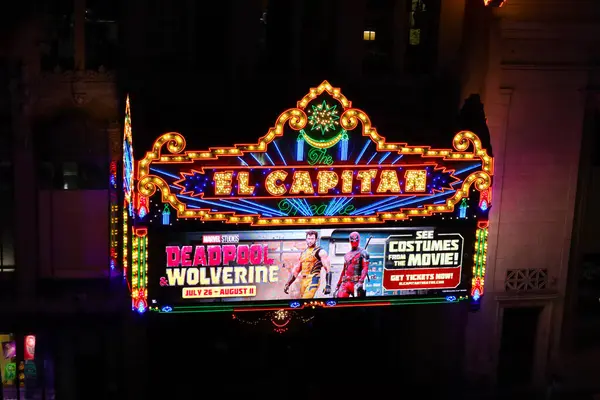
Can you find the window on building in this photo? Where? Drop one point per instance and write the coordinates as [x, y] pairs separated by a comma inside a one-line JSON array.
[[57, 45], [72, 153], [378, 36], [93, 175], [417, 13], [7, 228], [101, 34], [70, 175], [73, 175], [369, 35], [423, 18]]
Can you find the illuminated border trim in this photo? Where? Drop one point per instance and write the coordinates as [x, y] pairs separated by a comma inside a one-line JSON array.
[[479, 260], [322, 144], [297, 120], [227, 168], [299, 305], [139, 269]]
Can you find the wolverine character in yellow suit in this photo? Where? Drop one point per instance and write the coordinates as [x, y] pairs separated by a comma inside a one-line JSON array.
[[309, 267]]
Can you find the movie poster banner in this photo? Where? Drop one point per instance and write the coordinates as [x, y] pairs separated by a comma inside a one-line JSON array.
[[276, 265]]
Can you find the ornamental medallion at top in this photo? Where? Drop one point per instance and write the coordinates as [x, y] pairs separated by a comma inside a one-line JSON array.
[[322, 162]]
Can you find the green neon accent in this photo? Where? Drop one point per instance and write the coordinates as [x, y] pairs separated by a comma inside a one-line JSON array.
[[143, 262], [139, 251], [321, 144], [316, 208], [480, 252], [323, 117], [318, 156]]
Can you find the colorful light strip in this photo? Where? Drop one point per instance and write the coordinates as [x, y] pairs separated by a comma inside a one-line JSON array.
[[479, 260], [302, 305], [139, 270], [125, 241], [114, 217]]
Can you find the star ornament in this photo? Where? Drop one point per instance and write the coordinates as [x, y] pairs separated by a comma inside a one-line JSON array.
[[323, 117]]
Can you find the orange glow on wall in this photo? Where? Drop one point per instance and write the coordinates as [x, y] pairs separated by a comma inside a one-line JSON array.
[[494, 3]]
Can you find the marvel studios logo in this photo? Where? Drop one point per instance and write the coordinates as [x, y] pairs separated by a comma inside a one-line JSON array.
[[218, 239]]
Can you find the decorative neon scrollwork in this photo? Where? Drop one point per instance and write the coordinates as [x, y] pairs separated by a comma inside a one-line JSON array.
[[170, 149]]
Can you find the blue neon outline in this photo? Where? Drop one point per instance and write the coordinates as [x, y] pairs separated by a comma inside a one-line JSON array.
[[372, 157], [390, 206], [362, 152], [279, 151], [220, 204], [374, 205], [257, 160], [165, 173], [297, 207], [469, 168], [397, 159], [384, 157], [269, 158]]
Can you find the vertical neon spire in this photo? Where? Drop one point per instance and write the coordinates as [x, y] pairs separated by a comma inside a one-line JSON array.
[[128, 179]]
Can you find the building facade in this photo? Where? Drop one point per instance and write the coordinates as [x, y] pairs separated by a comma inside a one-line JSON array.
[[61, 114], [422, 70], [539, 90]]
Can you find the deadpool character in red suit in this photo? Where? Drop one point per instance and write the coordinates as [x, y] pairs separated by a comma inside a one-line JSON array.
[[356, 268]]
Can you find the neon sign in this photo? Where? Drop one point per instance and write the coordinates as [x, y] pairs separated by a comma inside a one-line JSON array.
[[128, 184], [334, 181], [324, 166], [128, 161], [323, 150], [288, 207]]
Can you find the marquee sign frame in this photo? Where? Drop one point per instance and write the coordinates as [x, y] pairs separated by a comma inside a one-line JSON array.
[[170, 148], [317, 188]]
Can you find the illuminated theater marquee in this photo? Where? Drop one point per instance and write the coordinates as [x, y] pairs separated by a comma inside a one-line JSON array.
[[342, 181], [328, 212], [322, 162]]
